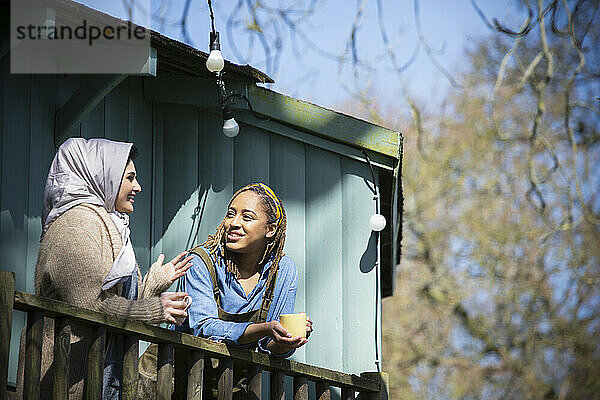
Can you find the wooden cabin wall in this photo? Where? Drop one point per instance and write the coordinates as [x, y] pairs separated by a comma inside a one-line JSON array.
[[184, 157]]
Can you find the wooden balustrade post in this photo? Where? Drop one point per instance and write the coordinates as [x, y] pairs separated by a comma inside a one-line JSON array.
[[62, 351], [131, 357], [225, 385], [384, 384], [195, 382], [7, 298], [323, 392], [277, 385], [300, 388], [347, 393], [33, 354], [164, 382], [181, 372], [95, 370], [254, 382]]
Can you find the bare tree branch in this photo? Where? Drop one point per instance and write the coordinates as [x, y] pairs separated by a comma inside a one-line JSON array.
[[428, 49]]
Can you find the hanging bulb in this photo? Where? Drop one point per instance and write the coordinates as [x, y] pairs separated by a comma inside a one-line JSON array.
[[215, 62], [377, 222], [230, 127]]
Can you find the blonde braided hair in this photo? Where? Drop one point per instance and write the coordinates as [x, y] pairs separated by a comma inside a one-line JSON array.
[[273, 207]]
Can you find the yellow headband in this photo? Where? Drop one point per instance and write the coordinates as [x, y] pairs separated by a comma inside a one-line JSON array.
[[272, 195]]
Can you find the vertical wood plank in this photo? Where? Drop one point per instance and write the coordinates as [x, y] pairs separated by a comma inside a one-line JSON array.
[[157, 180], [14, 125], [288, 386], [347, 394], [140, 133], [15, 175], [165, 371], [195, 383], [266, 384], [324, 257], [225, 385], [216, 170], [300, 388], [41, 152], [287, 178], [180, 363], [95, 370], [93, 124], [323, 391], [33, 354], [251, 154], [7, 296], [277, 388], [4, 75], [180, 175], [130, 366], [66, 86], [116, 113], [359, 255], [62, 351], [254, 382]]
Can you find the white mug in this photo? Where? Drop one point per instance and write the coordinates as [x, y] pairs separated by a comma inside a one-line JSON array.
[[188, 302]]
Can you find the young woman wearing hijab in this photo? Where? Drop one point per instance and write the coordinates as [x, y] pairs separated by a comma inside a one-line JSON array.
[[240, 281], [86, 257]]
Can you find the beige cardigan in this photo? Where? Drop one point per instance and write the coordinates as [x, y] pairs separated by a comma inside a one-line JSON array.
[[76, 253]]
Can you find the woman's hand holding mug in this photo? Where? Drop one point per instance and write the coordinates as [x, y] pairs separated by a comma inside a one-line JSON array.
[[175, 305], [292, 332]]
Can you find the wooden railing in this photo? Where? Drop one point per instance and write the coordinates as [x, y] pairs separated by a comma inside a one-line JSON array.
[[180, 357]]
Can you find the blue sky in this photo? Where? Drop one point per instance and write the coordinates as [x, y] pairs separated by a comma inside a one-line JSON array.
[[449, 25]]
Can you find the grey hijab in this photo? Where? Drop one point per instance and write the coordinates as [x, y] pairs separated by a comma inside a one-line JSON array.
[[90, 171]]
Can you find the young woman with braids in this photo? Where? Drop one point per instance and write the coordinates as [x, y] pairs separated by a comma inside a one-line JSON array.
[[240, 281]]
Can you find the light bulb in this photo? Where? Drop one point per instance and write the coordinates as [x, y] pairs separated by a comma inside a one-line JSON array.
[[215, 62], [377, 222], [230, 128]]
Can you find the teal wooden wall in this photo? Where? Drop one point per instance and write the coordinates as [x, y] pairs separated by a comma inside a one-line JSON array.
[[184, 158]]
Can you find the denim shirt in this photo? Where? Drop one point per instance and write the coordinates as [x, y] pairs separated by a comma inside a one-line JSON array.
[[203, 315]]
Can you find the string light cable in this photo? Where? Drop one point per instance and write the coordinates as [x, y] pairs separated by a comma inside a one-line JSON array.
[[377, 223], [232, 97], [215, 64]]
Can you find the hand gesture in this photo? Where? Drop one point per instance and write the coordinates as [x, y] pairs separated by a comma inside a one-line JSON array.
[[175, 268]]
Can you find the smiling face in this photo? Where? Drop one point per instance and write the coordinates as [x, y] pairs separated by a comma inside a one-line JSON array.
[[247, 228], [129, 188]]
